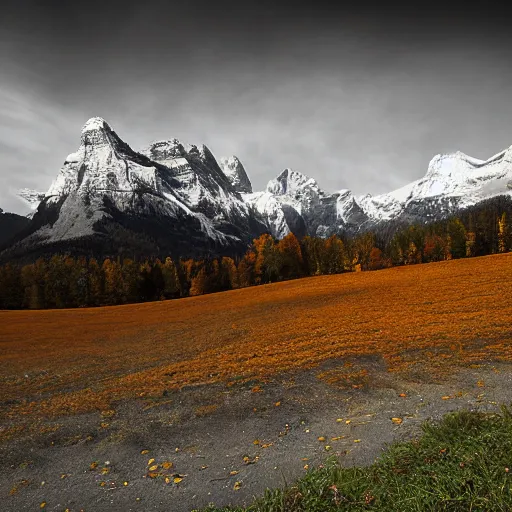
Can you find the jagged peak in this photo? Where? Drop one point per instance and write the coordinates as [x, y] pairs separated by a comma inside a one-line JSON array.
[[236, 173], [31, 197], [165, 149], [290, 180], [96, 123]]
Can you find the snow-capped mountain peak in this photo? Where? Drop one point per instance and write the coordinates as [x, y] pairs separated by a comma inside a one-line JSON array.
[[290, 182], [234, 170], [95, 123], [186, 197], [31, 197]]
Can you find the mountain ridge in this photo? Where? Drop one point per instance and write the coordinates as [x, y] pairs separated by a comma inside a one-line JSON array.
[[184, 191]]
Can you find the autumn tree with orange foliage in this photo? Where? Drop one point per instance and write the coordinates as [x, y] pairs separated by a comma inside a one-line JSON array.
[[230, 279], [247, 269], [268, 260], [291, 262], [334, 256], [64, 281], [377, 260], [435, 248]]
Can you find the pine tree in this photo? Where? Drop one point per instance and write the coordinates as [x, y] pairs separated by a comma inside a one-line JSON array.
[[198, 284], [312, 249], [413, 255], [96, 283], [246, 269], [292, 263], [362, 246], [114, 286], [502, 233], [57, 283], [268, 261], [229, 274], [171, 279], [131, 280], [457, 234], [334, 257]]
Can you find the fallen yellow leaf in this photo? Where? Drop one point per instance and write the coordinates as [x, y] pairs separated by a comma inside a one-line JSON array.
[[153, 468], [278, 404], [143, 452], [233, 473], [167, 480], [357, 440], [237, 486], [321, 439], [177, 479], [93, 465], [347, 422], [337, 438], [306, 467], [43, 504], [150, 461], [445, 397], [397, 421], [256, 442], [402, 395], [327, 448], [339, 420], [167, 465], [125, 483]]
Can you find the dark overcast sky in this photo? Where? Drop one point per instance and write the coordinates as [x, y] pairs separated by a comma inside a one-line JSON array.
[[358, 96]]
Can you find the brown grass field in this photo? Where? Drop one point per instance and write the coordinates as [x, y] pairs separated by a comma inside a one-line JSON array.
[[432, 316]]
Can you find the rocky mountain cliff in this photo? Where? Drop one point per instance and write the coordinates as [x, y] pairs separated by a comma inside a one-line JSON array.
[[178, 199], [166, 199]]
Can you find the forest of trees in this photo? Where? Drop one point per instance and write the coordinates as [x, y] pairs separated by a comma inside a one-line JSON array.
[[67, 282]]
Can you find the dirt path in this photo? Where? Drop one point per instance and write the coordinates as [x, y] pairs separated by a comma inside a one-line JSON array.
[[206, 431]]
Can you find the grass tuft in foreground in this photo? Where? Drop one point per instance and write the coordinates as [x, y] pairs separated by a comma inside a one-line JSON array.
[[459, 464]]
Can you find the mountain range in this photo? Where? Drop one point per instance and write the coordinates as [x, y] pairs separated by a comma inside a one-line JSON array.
[[178, 199]]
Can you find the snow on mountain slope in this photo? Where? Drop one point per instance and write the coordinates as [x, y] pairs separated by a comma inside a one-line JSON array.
[[234, 170], [287, 202], [452, 181], [31, 197], [105, 178], [205, 188], [186, 198]]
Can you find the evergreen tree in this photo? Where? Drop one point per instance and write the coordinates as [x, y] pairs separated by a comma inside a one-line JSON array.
[[292, 264], [171, 279], [229, 271], [247, 269]]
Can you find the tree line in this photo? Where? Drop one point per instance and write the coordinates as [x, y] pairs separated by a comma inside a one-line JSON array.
[[68, 282]]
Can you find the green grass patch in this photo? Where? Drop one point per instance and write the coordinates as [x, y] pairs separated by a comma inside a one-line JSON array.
[[458, 464]]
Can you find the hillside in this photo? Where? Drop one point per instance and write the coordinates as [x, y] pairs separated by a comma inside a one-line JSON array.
[[10, 225], [231, 387], [457, 309]]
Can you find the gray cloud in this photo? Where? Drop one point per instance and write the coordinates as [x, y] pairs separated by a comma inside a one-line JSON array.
[[354, 100]]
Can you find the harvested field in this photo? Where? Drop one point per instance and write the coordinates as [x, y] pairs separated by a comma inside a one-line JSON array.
[[424, 318]]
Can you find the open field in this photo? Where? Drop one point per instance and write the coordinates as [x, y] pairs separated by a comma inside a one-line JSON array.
[[239, 391], [418, 318]]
